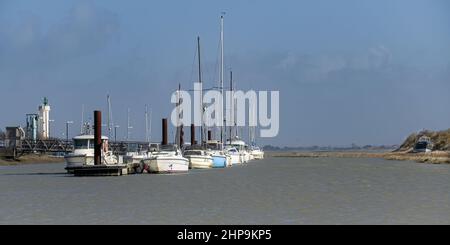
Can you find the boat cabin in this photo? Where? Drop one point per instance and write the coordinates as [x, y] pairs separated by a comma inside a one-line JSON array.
[[238, 144], [214, 145], [195, 153], [86, 142]]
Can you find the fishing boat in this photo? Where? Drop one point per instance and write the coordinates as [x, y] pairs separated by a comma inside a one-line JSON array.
[[83, 153], [168, 159], [215, 148], [198, 158]]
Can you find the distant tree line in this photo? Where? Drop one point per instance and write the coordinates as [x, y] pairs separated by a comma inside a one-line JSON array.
[[328, 148]]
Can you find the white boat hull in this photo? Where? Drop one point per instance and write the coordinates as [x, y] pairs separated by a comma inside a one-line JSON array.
[[132, 159], [229, 161], [245, 157], [257, 155], [235, 159], [78, 160], [167, 165], [200, 162]]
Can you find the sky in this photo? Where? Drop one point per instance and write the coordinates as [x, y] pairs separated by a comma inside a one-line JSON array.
[[350, 71]]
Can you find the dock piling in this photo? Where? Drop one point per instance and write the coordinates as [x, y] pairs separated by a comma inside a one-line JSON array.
[[192, 134], [97, 137], [164, 132]]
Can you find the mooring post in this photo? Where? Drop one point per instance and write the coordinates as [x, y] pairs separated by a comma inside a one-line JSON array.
[[97, 137], [192, 134], [181, 136], [164, 132]]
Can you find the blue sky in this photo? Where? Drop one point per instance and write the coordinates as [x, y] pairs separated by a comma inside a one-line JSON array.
[[364, 72]]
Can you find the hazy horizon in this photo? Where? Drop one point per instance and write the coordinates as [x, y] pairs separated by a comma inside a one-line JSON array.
[[362, 72]]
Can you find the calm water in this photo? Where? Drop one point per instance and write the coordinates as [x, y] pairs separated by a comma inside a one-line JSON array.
[[272, 191]]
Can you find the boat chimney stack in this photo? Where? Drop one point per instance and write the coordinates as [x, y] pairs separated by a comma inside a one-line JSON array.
[[192, 134], [164, 132], [209, 135], [97, 137]]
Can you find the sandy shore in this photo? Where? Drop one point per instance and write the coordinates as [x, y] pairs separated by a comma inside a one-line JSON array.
[[437, 157], [31, 159]]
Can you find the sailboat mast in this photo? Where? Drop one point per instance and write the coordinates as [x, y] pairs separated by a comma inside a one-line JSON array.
[[128, 124], [235, 114], [249, 127], [231, 104], [150, 126], [221, 75], [201, 89], [177, 135], [146, 124], [109, 115], [82, 118]]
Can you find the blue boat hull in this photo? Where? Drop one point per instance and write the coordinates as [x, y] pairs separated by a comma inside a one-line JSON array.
[[219, 161]]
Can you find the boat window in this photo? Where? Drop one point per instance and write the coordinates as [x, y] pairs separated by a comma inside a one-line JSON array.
[[192, 153], [213, 146], [153, 148], [168, 148], [132, 147], [81, 144]]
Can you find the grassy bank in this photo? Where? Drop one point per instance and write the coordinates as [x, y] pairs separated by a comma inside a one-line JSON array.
[[436, 157], [31, 159]]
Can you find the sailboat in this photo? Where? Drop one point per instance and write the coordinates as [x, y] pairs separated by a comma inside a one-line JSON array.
[[198, 157], [166, 159], [256, 153], [215, 147], [235, 147]]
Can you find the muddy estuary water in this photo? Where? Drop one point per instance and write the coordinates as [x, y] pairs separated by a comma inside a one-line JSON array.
[[271, 191]]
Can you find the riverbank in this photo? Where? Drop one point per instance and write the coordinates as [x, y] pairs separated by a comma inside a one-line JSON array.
[[31, 159], [435, 157]]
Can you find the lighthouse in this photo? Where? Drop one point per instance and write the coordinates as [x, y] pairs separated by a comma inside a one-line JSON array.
[[44, 120]]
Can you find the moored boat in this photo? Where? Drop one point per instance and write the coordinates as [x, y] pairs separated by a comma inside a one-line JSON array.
[[256, 153], [215, 148], [234, 156], [168, 159], [198, 158], [241, 147], [83, 154]]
